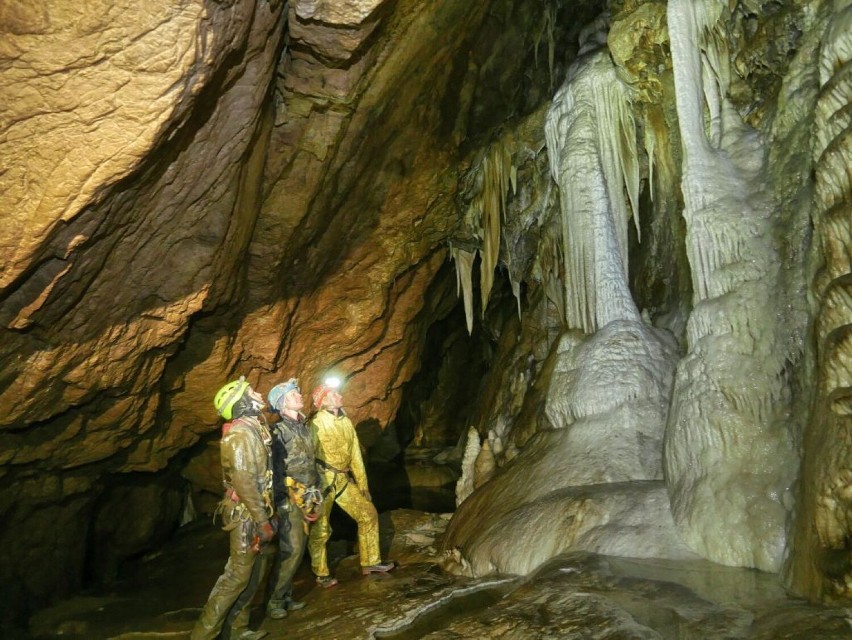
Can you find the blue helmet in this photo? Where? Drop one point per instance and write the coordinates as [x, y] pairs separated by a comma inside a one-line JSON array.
[[276, 394]]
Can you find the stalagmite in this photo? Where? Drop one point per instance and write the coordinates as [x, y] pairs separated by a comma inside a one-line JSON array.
[[465, 484], [484, 466]]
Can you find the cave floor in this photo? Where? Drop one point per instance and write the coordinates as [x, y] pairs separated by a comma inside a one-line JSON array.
[[577, 595]]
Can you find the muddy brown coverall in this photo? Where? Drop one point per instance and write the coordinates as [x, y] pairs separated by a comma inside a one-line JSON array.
[[245, 452], [293, 458], [341, 469]]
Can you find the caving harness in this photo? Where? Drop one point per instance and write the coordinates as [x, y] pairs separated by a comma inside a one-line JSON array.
[[336, 472], [307, 499]]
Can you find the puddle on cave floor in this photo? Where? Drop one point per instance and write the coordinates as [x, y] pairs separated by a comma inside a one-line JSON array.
[[577, 595]]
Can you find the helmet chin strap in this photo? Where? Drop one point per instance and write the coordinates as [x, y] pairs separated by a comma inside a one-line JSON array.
[[247, 406]]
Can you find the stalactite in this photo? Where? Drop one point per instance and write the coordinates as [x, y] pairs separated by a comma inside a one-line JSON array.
[[651, 151], [493, 176], [546, 33], [591, 140], [464, 281], [497, 172], [550, 260]]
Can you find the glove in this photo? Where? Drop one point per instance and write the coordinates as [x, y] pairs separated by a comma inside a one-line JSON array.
[[262, 535], [313, 496], [311, 504], [265, 532]]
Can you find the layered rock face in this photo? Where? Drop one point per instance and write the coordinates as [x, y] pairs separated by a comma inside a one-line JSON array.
[[128, 131], [198, 191], [826, 505]]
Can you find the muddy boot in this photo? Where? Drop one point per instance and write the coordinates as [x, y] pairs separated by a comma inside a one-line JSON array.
[[276, 610], [382, 567], [326, 581], [294, 605]]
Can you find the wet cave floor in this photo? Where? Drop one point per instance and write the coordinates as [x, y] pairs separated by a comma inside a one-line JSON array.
[[578, 595]]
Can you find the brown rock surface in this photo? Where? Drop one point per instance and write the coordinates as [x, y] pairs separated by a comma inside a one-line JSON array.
[[181, 214], [126, 133]]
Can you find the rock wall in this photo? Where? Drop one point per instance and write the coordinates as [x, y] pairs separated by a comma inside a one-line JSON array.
[[200, 191], [820, 564], [127, 134]]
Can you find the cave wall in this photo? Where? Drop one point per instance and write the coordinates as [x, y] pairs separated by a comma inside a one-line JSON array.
[[821, 561], [127, 133], [200, 191]]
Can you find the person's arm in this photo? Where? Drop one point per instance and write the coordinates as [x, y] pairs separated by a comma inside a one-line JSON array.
[[356, 464], [239, 456]]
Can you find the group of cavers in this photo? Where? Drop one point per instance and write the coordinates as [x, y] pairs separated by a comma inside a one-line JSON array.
[[280, 484]]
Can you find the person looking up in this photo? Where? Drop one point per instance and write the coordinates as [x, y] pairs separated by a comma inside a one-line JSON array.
[[246, 509], [296, 486], [344, 481]]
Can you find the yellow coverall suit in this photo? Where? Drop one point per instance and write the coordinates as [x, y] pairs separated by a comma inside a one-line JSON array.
[[344, 481], [245, 452]]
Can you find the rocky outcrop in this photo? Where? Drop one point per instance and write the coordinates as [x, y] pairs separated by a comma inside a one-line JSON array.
[[821, 565]]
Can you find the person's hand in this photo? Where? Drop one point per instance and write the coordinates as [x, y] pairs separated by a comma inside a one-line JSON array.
[[313, 496], [266, 532], [310, 516], [262, 535]]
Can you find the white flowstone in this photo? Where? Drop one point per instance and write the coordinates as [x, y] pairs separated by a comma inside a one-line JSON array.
[[728, 457], [623, 519], [593, 482], [591, 141]]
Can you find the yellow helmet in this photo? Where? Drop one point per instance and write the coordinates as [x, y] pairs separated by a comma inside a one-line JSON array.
[[228, 396]]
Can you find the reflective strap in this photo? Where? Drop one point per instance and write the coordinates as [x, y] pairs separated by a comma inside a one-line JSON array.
[[327, 466]]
